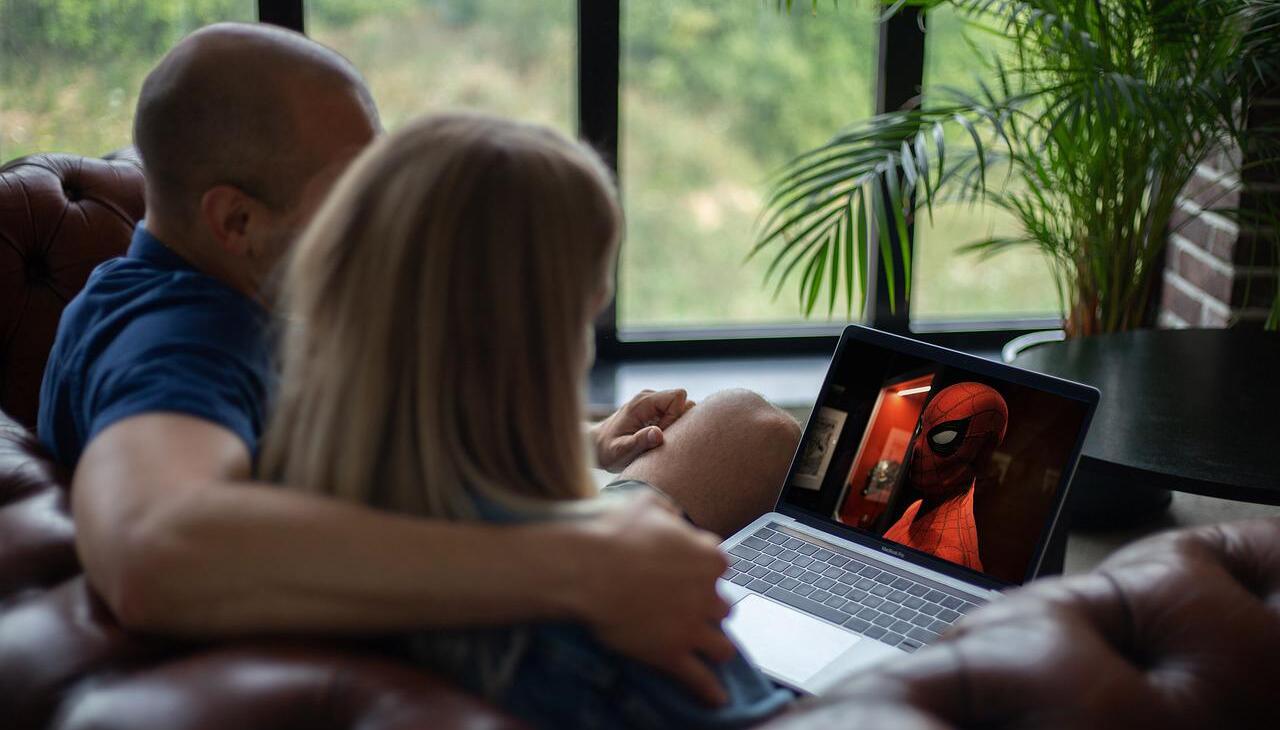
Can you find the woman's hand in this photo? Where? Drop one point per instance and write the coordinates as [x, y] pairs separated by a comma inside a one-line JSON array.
[[647, 588], [637, 427]]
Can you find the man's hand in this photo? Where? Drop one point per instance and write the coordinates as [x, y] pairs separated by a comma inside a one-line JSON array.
[[652, 595], [637, 426]]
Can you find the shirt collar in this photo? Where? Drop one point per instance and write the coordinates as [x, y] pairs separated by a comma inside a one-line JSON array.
[[147, 247]]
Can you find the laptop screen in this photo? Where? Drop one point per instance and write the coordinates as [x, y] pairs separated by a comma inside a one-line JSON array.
[[945, 456]]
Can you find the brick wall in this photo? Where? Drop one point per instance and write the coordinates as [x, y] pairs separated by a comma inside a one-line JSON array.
[[1219, 272]]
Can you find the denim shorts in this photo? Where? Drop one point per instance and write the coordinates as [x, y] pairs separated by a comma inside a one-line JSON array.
[[625, 485], [560, 676]]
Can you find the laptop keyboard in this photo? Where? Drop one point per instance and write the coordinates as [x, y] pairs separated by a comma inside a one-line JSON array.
[[865, 596]]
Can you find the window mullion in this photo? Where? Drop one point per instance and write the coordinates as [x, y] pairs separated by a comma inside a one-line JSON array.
[[599, 79], [899, 80], [284, 13]]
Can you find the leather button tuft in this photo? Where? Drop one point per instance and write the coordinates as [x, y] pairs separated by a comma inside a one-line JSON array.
[[72, 193], [38, 269]]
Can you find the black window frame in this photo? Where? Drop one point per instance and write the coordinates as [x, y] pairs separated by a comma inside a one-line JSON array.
[[899, 77]]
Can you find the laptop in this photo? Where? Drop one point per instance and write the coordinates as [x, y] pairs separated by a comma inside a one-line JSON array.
[[926, 483]]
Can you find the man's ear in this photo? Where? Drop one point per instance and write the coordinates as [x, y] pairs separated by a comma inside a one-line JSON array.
[[227, 212]]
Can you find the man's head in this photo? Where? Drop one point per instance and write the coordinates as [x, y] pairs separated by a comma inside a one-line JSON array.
[[242, 129]]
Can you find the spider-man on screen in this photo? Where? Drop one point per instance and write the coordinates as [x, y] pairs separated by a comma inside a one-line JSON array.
[[959, 430]]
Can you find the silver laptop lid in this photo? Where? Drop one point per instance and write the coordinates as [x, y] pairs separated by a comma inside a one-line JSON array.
[[948, 460]]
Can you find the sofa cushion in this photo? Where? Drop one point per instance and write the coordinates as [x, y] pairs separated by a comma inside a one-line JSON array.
[[1181, 630], [36, 537], [60, 216], [275, 687], [65, 662]]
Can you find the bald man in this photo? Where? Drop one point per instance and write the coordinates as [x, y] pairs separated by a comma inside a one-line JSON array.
[[156, 388]]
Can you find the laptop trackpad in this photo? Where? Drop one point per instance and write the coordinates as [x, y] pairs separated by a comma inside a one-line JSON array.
[[786, 643]]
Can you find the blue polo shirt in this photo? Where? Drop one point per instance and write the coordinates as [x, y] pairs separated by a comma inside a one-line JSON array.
[[149, 333]]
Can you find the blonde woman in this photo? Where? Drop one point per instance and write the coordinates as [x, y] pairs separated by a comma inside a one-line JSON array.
[[441, 307]]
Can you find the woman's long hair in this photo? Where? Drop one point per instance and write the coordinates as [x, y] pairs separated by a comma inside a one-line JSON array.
[[437, 321]]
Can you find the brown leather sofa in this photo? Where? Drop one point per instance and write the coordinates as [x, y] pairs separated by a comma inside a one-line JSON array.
[[60, 216], [1178, 631], [1181, 631]]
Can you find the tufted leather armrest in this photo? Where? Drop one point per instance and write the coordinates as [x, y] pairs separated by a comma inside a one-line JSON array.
[[276, 688], [1181, 630], [60, 216], [65, 663]]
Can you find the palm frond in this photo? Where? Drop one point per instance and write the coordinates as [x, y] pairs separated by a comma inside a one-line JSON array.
[[1095, 121]]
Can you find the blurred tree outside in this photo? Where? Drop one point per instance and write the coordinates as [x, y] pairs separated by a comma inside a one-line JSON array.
[[70, 69], [948, 284], [716, 95]]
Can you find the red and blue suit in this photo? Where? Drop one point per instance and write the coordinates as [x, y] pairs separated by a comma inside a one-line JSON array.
[[959, 430]]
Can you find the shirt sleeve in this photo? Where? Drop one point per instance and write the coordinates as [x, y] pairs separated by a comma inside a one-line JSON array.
[[192, 379]]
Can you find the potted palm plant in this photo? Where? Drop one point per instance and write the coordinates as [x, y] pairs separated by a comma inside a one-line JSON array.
[[1088, 132]]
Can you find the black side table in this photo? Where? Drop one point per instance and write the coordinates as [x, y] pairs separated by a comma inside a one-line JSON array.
[[1182, 410]]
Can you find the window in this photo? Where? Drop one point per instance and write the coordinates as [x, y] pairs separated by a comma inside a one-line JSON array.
[[953, 285], [698, 101], [70, 70], [514, 58], [715, 96]]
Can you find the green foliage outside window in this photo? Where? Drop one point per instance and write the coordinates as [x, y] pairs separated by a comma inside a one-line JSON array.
[[75, 31], [1087, 135], [716, 96]]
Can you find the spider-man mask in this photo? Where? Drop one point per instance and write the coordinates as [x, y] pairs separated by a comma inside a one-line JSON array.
[[960, 428]]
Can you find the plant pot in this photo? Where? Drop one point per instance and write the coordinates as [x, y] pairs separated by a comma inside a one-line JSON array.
[[1022, 343]]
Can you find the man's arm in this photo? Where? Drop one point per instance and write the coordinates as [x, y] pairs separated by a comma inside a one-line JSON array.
[[177, 540]]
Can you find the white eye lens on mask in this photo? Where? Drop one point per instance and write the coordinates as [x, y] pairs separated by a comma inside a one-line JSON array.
[[944, 437]]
